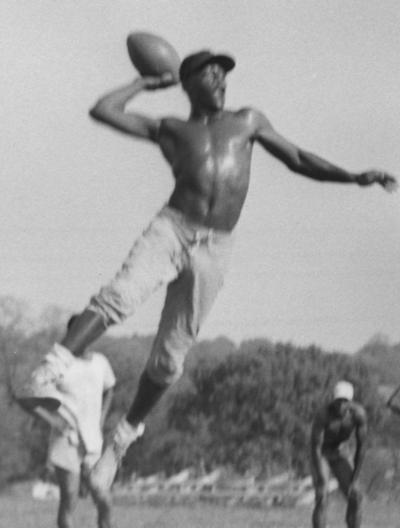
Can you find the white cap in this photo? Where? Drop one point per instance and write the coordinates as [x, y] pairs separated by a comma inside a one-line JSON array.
[[343, 390]]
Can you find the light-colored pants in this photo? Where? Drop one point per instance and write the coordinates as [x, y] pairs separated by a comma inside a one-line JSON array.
[[188, 257], [67, 452]]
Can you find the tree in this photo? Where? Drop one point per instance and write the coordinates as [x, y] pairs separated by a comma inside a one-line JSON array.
[[257, 405]]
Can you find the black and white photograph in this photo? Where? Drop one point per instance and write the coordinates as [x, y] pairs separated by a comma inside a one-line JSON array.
[[200, 264]]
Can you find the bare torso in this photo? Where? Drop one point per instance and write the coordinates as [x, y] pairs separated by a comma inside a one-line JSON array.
[[339, 429], [210, 160]]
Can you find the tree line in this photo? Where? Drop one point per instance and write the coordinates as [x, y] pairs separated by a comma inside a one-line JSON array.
[[248, 408]]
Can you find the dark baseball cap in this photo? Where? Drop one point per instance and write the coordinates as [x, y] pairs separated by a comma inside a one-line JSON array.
[[195, 61]]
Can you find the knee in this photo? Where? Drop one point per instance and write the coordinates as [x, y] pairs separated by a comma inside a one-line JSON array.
[[172, 370], [321, 496], [102, 499], [167, 375], [111, 304], [355, 498], [165, 367]]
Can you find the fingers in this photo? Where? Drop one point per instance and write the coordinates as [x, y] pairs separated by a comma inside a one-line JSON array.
[[167, 77], [391, 187], [385, 180], [388, 182], [163, 81]]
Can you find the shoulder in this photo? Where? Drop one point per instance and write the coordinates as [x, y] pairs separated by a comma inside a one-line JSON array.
[[170, 123], [169, 128], [359, 413], [255, 120], [252, 114]]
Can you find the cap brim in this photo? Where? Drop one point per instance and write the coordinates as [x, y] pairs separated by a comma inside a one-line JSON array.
[[186, 70], [225, 61]]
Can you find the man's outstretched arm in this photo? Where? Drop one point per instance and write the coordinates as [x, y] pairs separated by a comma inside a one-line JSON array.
[[310, 165], [110, 109]]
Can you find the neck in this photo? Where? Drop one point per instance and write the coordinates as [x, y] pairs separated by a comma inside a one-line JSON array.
[[205, 114]]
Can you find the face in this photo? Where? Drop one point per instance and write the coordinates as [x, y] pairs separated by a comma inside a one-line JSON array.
[[207, 86], [340, 406]]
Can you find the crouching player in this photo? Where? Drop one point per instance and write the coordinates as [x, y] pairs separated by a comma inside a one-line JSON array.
[[331, 429]]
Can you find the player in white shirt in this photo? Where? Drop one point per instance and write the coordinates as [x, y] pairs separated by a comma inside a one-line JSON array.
[[85, 392]]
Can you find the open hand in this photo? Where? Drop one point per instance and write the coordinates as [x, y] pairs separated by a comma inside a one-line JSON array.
[[387, 181]]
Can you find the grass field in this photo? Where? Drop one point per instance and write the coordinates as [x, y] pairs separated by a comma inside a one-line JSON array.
[[21, 511]]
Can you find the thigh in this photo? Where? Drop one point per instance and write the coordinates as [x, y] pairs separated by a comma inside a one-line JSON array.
[[154, 260], [89, 460], [343, 471], [175, 333], [187, 303], [321, 476], [63, 454], [208, 265]]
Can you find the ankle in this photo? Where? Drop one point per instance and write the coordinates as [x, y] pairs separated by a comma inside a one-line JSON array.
[[129, 429]]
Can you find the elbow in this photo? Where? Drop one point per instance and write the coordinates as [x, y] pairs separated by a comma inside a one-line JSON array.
[[103, 111], [295, 161], [97, 112], [304, 164], [294, 164]]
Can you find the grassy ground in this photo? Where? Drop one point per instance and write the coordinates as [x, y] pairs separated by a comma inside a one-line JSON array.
[[21, 511]]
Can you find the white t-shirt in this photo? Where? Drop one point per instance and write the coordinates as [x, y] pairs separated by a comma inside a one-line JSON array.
[[81, 394]]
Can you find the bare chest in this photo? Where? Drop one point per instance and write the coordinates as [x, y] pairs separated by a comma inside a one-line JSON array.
[[339, 430], [217, 148]]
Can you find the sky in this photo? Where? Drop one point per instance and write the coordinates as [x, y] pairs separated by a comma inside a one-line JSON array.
[[313, 263]]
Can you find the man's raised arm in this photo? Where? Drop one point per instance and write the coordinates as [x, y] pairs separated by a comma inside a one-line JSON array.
[[110, 109], [310, 165]]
